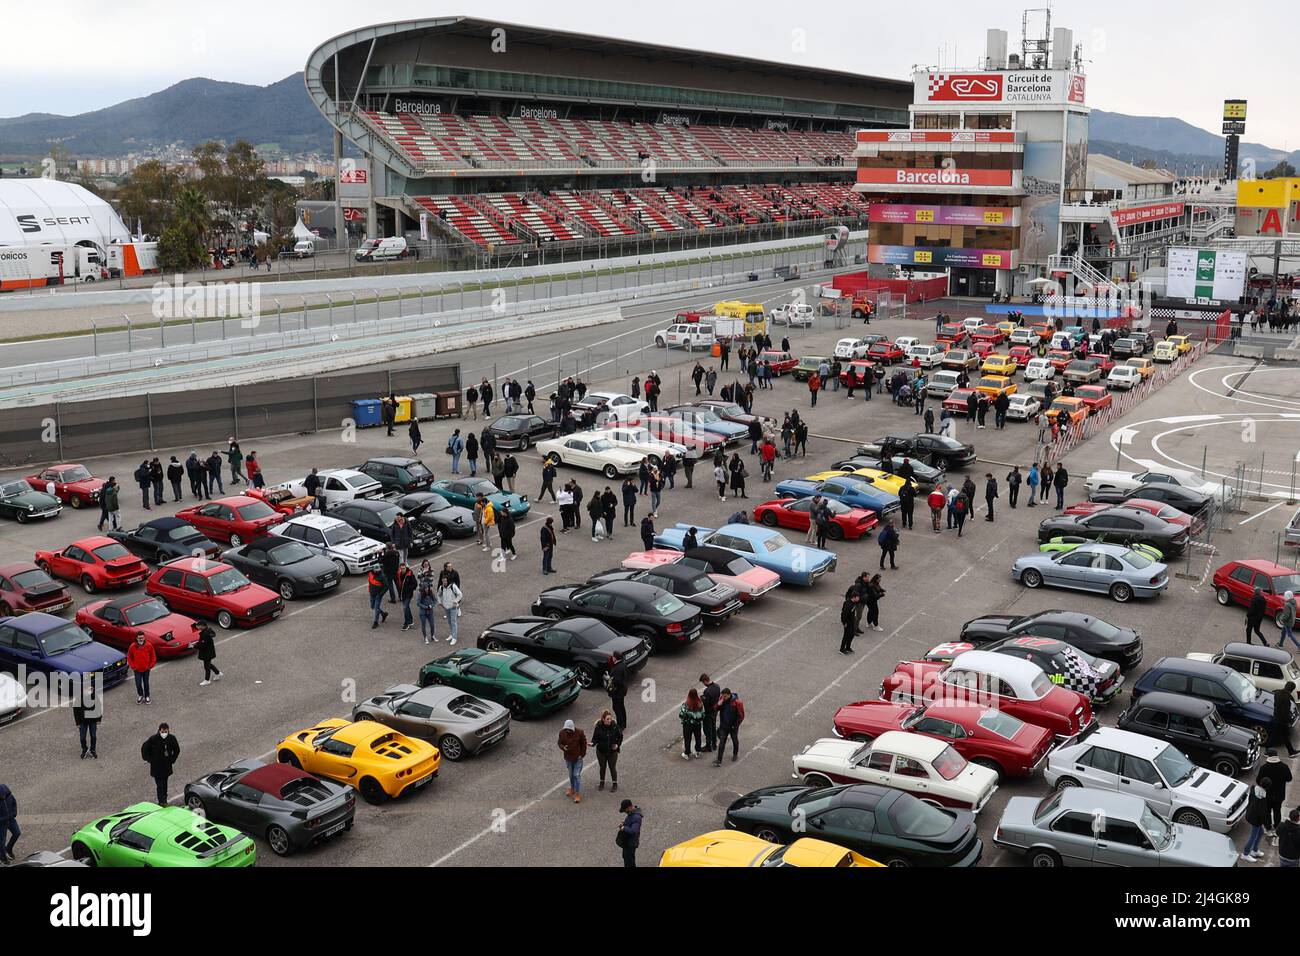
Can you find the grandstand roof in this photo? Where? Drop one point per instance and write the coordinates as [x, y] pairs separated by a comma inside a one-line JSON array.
[[1107, 172]]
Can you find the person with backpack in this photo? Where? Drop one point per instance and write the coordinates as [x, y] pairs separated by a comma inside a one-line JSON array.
[[573, 744], [455, 448], [960, 511], [607, 738], [731, 714], [888, 541], [691, 715], [1013, 486], [628, 837], [145, 482]]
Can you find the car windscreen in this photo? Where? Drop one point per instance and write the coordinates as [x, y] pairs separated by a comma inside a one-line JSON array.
[[1040, 686], [1136, 559], [1000, 723], [666, 604], [11, 488], [1241, 689], [31, 579], [388, 515], [226, 581], [63, 638], [108, 552], [774, 543], [507, 424], [949, 764], [1160, 833], [256, 510], [534, 669], [74, 474], [290, 552], [340, 534], [146, 612], [1286, 582], [602, 444], [417, 469], [183, 533], [1046, 808], [1174, 766], [358, 481]]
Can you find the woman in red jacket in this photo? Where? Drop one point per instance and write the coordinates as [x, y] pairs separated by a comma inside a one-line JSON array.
[[141, 658]]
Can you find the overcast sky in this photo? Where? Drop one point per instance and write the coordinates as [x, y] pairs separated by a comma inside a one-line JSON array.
[[1144, 58]]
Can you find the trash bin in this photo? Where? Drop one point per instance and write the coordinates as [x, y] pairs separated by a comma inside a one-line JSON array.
[[425, 405], [403, 409], [716, 350], [449, 405], [366, 412]]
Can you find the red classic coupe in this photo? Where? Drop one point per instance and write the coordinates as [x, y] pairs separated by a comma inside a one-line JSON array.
[[846, 523]]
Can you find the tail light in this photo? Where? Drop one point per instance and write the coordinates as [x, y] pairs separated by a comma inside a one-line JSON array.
[[674, 628], [1155, 580]]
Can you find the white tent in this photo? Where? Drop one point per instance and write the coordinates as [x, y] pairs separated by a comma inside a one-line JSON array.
[[300, 230], [35, 212]]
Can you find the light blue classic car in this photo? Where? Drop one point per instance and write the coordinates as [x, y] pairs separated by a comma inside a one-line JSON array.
[[764, 547], [1112, 569], [851, 490], [462, 491]]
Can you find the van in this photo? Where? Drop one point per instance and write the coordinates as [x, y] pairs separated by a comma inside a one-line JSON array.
[[377, 250], [685, 335], [304, 249], [1039, 369], [753, 314]]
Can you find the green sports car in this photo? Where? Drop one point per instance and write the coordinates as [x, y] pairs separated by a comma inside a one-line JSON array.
[[146, 834], [462, 491], [1068, 542], [529, 687], [22, 502]]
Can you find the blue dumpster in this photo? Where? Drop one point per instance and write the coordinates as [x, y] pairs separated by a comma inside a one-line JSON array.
[[366, 412]]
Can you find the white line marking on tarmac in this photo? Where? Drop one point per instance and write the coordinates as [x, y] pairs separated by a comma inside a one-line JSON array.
[[1260, 514]]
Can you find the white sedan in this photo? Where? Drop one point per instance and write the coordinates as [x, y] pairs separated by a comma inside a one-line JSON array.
[[1106, 480], [1023, 407], [591, 450], [638, 439], [851, 348], [338, 485], [925, 767]]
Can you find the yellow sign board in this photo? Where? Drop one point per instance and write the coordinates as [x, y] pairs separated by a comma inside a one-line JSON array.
[[920, 256], [995, 217], [1234, 109], [925, 215]]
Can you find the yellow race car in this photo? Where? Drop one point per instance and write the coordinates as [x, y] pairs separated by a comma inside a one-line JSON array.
[[733, 848], [872, 476], [378, 761], [995, 385], [999, 365], [1184, 343]]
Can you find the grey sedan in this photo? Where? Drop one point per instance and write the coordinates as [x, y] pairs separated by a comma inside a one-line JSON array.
[[1102, 568], [1082, 827], [459, 723]]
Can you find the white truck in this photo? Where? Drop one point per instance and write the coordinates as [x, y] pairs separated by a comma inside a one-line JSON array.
[[27, 267], [379, 250], [686, 335], [794, 314]]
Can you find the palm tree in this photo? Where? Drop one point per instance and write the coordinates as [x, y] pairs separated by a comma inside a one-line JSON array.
[[191, 213]]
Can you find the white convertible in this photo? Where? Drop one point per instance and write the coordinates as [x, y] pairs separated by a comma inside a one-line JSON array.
[[338, 485], [591, 450], [1105, 480], [638, 439], [924, 766]]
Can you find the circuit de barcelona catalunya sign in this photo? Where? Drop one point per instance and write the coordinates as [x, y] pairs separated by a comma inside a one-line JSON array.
[[1010, 86]]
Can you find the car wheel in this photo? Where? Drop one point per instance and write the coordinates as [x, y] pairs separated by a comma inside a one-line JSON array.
[[74, 501], [1223, 595], [194, 803], [88, 584], [371, 791], [524, 443], [899, 863], [1277, 620], [1121, 592], [286, 590], [21, 516], [279, 841], [835, 532], [451, 747], [769, 518], [555, 614], [343, 568], [1044, 859], [81, 853], [768, 834], [430, 680], [288, 757], [236, 541], [989, 764], [1226, 766], [1190, 818], [817, 780], [610, 472], [44, 566], [492, 644], [1065, 783], [518, 709], [1031, 578], [586, 676], [225, 620]]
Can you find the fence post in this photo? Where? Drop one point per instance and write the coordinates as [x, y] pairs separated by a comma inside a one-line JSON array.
[[354, 308], [148, 412], [1205, 450], [128, 332], [162, 332], [234, 407], [58, 426], [94, 335], [315, 408], [194, 330], [279, 317]]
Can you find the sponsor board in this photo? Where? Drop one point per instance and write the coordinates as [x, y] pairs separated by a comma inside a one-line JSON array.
[[882, 176], [941, 215], [940, 257], [1140, 214], [1057, 87]]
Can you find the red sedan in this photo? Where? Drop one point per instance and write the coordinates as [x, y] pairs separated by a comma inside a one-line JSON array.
[[1059, 359], [98, 563], [982, 735], [954, 336], [1021, 354], [1236, 581], [212, 589], [1158, 508], [25, 588], [864, 370], [1102, 361], [988, 333], [846, 522], [117, 622], [1096, 397], [71, 483], [885, 351], [982, 349], [237, 519], [956, 400]]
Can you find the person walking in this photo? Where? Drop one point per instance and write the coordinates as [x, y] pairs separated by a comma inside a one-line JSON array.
[[1257, 813], [656, 490], [814, 386], [720, 478], [9, 829], [549, 473], [506, 532], [406, 587], [1013, 485], [489, 522], [697, 376], [426, 603], [377, 587], [691, 715], [449, 598], [145, 482], [413, 432], [161, 752], [509, 469], [990, 493], [608, 509], [628, 837], [206, 650], [1286, 619], [767, 457], [156, 475], [87, 710], [607, 739], [175, 472], [390, 561], [874, 592], [1283, 716], [1275, 777], [709, 697], [1060, 480], [688, 470], [485, 396], [234, 459], [141, 658], [548, 546], [108, 494], [937, 500], [595, 511], [214, 463], [849, 620], [573, 744], [731, 714], [254, 470], [961, 504], [1255, 612], [888, 541], [738, 473], [907, 503]]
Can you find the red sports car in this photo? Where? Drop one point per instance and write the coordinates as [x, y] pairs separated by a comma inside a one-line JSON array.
[[282, 500], [1096, 397], [781, 362], [982, 735], [955, 400], [863, 369], [1021, 354], [98, 563], [237, 519], [885, 351], [71, 483], [117, 622], [988, 333], [213, 589], [25, 588], [1157, 508], [846, 522]]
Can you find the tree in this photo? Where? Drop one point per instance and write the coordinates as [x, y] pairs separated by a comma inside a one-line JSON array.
[[147, 195], [1282, 170], [184, 244]]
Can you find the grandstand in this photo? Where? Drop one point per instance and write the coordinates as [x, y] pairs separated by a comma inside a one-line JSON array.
[[504, 138]]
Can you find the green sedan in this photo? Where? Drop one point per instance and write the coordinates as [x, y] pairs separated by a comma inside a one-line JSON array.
[[1069, 542], [146, 834], [807, 365], [529, 687], [462, 491], [21, 501]]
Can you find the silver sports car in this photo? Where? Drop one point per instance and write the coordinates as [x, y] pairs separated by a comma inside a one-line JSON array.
[[459, 723], [1084, 827], [1103, 568]]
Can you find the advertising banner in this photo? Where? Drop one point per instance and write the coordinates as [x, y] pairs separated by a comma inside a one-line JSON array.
[[1141, 214], [940, 257], [936, 136], [879, 176], [941, 215], [1053, 87], [1206, 275]]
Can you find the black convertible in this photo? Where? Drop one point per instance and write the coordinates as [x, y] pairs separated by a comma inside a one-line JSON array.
[[582, 644], [163, 539]]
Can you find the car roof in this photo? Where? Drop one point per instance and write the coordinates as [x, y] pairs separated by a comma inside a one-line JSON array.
[[368, 504], [1019, 673], [128, 600], [675, 571], [235, 501], [1175, 703], [323, 522], [1184, 665], [1126, 741], [1268, 567], [37, 622], [1273, 655], [712, 553], [400, 462], [343, 473], [272, 778], [633, 589], [866, 796], [910, 745], [93, 541], [1121, 806], [197, 565], [165, 524]]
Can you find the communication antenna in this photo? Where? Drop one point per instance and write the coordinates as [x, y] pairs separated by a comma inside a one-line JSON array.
[[1036, 48]]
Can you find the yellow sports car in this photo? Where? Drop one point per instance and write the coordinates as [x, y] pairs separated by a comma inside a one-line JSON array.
[[378, 761], [995, 385], [1184, 343], [872, 476], [999, 365], [733, 848]]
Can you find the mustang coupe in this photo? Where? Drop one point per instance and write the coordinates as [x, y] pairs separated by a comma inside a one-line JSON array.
[[589, 450], [1112, 569], [459, 723], [519, 432], [378, 761]]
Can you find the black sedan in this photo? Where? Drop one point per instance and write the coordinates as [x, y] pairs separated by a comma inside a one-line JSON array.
[[1186, 501], [1123, 645], [163, 539], [286, 566], [286, 805], [582, 644], [452, 520], [889, 826], [651, 613], [716, 601], [375, 519], [521, 431], [1118, 526], [941, 451], [398, 474]]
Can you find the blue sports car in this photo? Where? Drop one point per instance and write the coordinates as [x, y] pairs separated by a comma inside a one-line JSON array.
[[706, 419], [462, 491], [1112, 569], [51, 645], [764, 547], [849, 490]]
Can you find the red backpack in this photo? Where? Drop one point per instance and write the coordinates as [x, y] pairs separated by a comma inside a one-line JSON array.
[[740, 711]]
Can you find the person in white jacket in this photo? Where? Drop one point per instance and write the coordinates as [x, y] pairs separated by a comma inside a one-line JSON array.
[[449, 597]]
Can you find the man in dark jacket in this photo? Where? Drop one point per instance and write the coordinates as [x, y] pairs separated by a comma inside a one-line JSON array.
[[1274, 777], [629, 833], [848, 619], [648, 533], [160, 752], [1288, 842], [755, 435], [214, 464], [143, 479], [730, 715], [197, 475], [175, 472], [1013, 485], [1000, 406], [906, 503], [488, 442], [389, 560], [1255, 612], [402, 535], [616, 686], [87, 709], [1060, 481], [471, 453], [888, 541], [609, 510], [9, 830], [156, 478], [1283, 714], [990, 494]]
